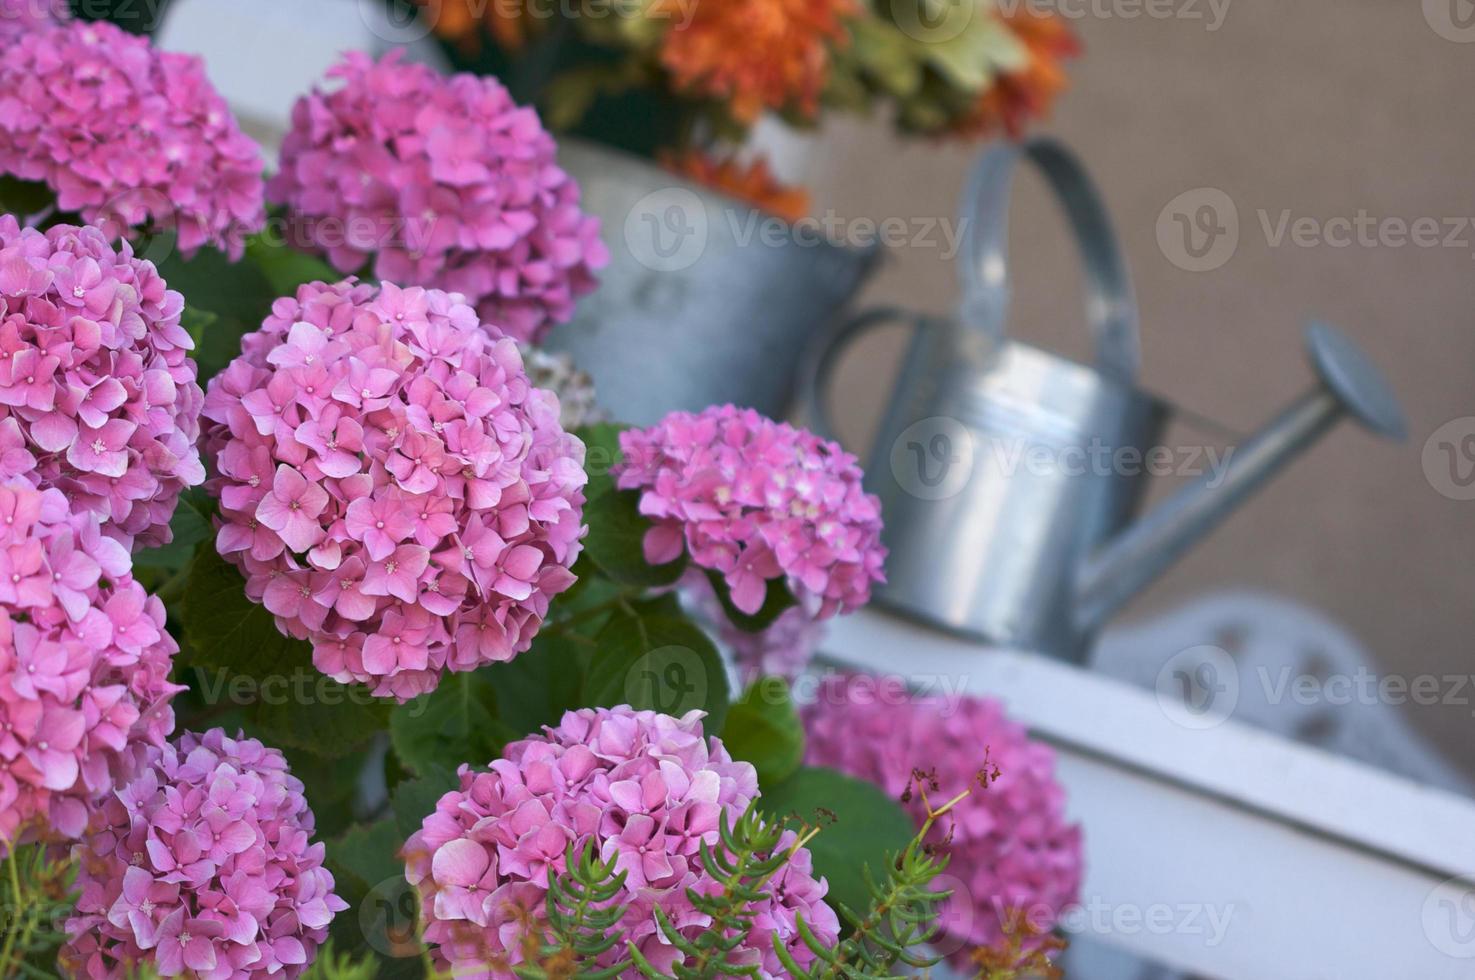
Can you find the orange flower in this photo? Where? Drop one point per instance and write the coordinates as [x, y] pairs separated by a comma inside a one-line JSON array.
[[1017, 97], [752, 183], [755, 53]]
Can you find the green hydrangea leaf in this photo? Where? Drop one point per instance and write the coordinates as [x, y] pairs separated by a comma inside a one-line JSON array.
[[414, 799], [24, 197], [454, 724], [237, 652], [286, 268], [535, 688], [860, 825], [320, 715], [226, 629], [190, 525], [236, 293], [651, 657], [763, 728], [370, 876], [601, 452], [615, 542]]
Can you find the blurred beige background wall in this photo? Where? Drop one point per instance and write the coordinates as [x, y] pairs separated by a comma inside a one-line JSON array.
[[1315, 109]]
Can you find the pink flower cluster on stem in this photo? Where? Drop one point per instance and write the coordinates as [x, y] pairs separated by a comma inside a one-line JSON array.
[[1011, 851], [393, 487], [84, 666], [647, 789], [98, 396], [202, 866], [442, 182], [756, 500], [128, 136]]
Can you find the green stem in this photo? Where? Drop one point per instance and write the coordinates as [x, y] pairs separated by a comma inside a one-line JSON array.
[[25, 939], [10, 934]]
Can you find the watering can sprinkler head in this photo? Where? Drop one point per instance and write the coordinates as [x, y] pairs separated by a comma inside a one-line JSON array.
[[1348, 385], [1351, 379]]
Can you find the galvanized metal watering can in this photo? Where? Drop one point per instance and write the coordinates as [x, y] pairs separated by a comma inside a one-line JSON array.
[[1010, 477], [702, 302]]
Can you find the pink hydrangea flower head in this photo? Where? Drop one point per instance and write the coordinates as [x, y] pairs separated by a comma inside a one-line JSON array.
[[19, 16], [647, 789], [756, 500], [84, 665], [128, 136], [98, 395], [392, 486], [1014, 858], [441, 182], [202, 866]]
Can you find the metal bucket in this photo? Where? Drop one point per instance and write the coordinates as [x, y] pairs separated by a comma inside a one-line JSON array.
[[705, 300]]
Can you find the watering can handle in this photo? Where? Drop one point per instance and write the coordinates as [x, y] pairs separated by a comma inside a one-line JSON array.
[[815, 374], [983, 259]]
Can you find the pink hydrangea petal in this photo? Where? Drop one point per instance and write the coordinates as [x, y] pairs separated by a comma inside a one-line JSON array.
[[240, 886], [1010, 845], [621, 778], [120, 450], [120, 158], [462, 514], [756, 501], [474, 210], [84, 664]]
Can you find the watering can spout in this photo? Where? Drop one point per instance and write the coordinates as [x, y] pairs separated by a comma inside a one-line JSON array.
[[1348, 385]]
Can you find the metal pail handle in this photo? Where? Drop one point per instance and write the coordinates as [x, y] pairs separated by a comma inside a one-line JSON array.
[[1111, 309]]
